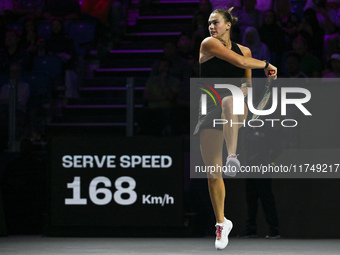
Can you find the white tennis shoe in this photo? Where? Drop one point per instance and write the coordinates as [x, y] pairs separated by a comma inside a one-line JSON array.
[[222, 232], [232, 165]]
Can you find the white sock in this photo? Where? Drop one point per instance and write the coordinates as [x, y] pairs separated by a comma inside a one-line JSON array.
[[223, 223]]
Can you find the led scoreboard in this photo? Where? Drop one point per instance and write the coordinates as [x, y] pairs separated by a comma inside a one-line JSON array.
[[116, 181]]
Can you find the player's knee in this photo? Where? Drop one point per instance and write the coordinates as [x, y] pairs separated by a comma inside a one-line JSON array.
[[214, 178]]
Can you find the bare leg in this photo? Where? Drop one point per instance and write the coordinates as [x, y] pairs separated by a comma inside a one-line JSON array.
[[211, 143], [230, 133]]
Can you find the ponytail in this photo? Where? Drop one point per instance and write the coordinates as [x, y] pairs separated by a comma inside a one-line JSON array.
[[227, 16]]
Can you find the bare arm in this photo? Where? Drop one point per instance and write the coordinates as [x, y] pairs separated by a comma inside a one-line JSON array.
[[247, 76], [212, 47], [246, 81]]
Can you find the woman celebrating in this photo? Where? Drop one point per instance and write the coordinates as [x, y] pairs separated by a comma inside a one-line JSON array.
[[220, 57]]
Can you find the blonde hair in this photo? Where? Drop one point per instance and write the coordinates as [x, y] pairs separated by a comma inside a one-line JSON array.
[[227, 16]]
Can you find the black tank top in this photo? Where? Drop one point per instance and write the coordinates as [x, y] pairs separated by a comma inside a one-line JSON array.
[[218, 68]]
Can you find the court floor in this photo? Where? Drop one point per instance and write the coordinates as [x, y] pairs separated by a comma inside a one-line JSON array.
[[97, 246]]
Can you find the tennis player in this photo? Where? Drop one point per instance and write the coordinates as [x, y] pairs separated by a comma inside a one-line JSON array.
[[220, 57]]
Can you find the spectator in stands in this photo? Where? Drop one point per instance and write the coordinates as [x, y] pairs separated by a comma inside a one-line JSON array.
[[310, 64], [334, 67], [12, 53], [205, 7], [97, 8], [62, 45], [22, 88], [273, 36], [199, 29], [66, 10], [249, 16], [264, 5], [287, 20], [179, 68], [332, 45], [293, 66], [259, 50], [199, 24], [184, 48], [326, 16], [309, 28], [160, 95], [106, 14], [252, 40], [335, 5], [30, 38]]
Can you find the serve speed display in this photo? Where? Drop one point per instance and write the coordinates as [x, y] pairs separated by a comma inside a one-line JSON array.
[[111, 181]]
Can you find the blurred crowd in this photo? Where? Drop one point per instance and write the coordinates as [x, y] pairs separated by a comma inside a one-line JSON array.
[[42, 49], [44, 43], [301, 38]]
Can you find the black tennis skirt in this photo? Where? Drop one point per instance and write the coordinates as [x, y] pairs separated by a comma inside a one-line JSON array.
[[213, 112]]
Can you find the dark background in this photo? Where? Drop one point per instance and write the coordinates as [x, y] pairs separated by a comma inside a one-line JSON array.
[[123, 48]]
